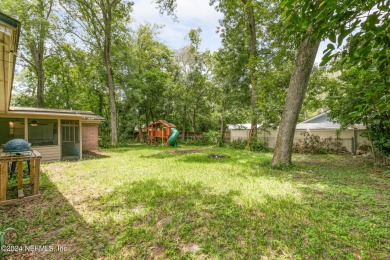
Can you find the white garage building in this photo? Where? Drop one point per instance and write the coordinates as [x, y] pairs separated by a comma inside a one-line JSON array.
[[320, 125]]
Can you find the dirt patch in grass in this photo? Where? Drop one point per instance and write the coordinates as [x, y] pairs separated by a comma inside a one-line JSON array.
[[191, 247], [184, 151], [94, 154], [218, 156], [164, 221]]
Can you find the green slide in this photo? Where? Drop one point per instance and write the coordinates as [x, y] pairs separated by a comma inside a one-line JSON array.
[[173, 137]]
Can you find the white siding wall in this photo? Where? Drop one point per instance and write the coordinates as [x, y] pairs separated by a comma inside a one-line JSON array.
[[270, 137], [239, 134], [49, 153]]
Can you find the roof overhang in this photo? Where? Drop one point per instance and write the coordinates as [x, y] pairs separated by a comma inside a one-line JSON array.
[[9, 39], [84, 116]]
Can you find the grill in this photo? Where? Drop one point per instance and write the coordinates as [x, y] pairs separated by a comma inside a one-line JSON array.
[[17, 146]]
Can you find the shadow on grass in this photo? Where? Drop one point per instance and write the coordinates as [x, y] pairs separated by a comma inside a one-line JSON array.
[[342, 214], [135, 147], [174, 219], [342, 171], [196, 157], [330, 170], [93, 155], [51, 221], [205, 158], [160, 155]]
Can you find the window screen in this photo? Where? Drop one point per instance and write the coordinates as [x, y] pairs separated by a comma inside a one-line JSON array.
[[43, 132]]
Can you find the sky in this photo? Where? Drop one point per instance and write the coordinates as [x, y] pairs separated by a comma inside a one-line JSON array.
[[191, 14]]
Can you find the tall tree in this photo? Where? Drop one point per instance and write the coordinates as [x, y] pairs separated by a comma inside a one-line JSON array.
[[38, 23], [74, 79], [103, 21], [296, 92], [146, 72], [253, 51], [233, 90], [241, 23], [251, 24], [193, 84], [309, 22]]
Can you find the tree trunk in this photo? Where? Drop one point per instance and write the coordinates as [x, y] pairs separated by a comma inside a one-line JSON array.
[[37, 55], [154, 119], [67, 98], [110, 77], [192, 119], [296, 92], [111, 88], [37, 48], [41, 85], [223, 121], [101, 102], [252, 57], [184, 123]]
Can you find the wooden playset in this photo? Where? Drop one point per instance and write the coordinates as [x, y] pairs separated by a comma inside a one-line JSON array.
[[159, 132]]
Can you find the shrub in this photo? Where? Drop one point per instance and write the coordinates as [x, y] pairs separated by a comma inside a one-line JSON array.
[[314, 144], [238, 144], [258, 145], [213, 137]]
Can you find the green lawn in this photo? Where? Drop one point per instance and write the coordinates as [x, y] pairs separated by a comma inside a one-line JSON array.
[[149, 202]]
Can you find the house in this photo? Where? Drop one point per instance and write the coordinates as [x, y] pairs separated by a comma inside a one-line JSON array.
[[57, 134], [320, 125]]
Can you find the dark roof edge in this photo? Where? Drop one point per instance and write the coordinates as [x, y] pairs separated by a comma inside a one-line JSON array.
[[9, 20]]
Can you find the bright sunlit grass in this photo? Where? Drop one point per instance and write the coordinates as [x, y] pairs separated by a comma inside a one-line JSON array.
[[157, 202]]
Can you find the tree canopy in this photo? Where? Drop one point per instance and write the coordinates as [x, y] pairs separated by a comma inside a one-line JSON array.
[[79, 54]]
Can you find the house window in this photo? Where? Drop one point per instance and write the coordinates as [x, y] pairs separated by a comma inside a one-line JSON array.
[[42, 132], [70, 131], [11, 128]]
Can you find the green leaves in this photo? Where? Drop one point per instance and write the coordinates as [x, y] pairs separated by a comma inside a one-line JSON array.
[[330, 46], [363, 97], [332, 37], [167, 6], [344, 33], [327, 54], [371, 22]]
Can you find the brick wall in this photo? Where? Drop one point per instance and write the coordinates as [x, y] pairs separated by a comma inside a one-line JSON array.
[[90, 136]]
